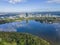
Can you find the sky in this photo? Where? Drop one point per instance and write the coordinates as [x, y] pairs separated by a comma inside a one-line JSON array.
[[29, 5]]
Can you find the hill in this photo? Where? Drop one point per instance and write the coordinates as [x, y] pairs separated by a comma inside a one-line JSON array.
[[14, 38]]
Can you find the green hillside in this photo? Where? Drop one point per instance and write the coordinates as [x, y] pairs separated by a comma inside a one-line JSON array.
[[14, 38]]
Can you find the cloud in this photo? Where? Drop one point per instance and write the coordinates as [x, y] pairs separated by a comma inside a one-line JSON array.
[[53, 1], [16, 1]]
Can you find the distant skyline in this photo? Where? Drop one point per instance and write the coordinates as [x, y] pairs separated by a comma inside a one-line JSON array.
[[29, 5]]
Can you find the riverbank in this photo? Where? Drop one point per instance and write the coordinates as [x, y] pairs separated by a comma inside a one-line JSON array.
[[42, 19]]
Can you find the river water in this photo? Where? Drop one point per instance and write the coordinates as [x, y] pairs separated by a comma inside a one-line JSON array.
[[45, 30]]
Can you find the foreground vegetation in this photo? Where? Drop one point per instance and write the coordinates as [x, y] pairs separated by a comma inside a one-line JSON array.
[[14, 38]]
